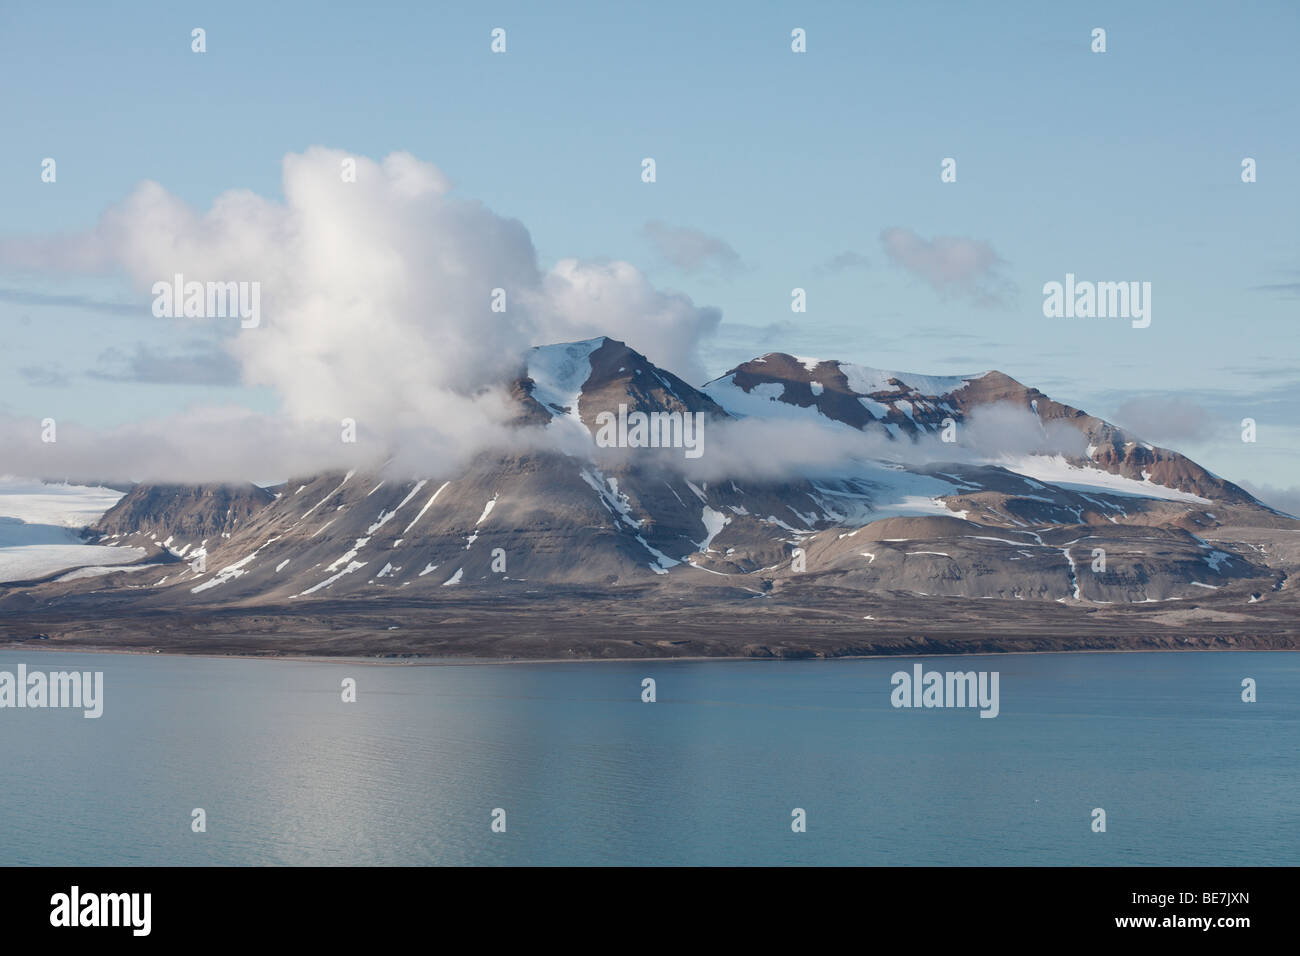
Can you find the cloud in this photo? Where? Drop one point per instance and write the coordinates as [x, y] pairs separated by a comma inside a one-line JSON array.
[[151, 367], [580, 300], [1283, 499], [692, 251], [1286, 290], [376, 298], [44, 376], [1223, 408], [783, 448], [761, 334], [199, 445], [20, 297], [944, 332], [1163, 419], [951, 265], [1262, 370], [1289, 289], [848, 261]]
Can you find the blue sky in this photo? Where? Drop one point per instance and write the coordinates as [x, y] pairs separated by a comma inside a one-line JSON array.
[[1116, 166]]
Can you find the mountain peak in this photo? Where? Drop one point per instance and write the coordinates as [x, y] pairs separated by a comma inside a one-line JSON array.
[[862, 379], [855, 395], [589, 345], [578, 380]]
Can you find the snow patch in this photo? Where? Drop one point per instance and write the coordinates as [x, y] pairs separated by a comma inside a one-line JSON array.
[[354, 566], [1056, 470], [426, 507], [714, 522], [558, 373], [100, 571]]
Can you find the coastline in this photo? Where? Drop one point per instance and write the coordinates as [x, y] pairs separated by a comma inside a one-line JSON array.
[[475, 662]]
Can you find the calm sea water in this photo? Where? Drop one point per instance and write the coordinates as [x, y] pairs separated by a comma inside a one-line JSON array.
[[709, 774]]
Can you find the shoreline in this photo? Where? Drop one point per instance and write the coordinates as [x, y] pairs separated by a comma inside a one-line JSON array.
[[472, 662]]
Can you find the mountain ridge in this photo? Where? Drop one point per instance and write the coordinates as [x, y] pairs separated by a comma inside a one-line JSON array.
[[517, 519]]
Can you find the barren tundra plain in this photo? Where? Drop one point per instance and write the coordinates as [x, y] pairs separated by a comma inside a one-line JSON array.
[[803, 621]]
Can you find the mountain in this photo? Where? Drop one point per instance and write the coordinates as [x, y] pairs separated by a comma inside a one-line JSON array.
[[1105, 520], [903, 405], [191, 514]]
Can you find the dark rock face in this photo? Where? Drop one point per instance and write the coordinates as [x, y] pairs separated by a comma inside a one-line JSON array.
[[620, 375], [189, 513]]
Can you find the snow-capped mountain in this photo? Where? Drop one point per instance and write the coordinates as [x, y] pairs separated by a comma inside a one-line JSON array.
[[903, 405], [1115, 520]]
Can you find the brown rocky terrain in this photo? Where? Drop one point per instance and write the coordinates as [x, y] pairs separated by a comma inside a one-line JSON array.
[[539, 553]]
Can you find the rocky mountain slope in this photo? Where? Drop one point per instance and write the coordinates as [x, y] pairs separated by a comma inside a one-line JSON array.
[[1097, 518], [165, 513]]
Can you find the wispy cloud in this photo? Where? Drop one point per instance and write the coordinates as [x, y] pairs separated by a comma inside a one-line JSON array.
[[1283, 499], [1286, 290], [22, 297], [151, 367], [1269, 401], [951, 265], [847, 261], [691, 250], [1165, 419], [45, 376]]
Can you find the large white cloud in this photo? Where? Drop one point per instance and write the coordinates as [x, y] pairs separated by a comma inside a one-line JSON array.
[[376, 294]]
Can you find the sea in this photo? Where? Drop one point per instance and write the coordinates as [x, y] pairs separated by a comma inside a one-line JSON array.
[[1092, 759]]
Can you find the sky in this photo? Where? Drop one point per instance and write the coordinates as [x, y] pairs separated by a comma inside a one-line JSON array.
[[774, 170]]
